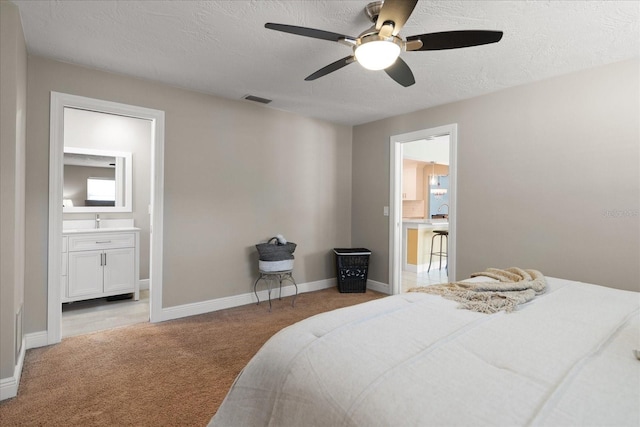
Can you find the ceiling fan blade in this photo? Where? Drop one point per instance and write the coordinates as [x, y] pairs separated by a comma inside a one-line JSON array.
[[455, 39], [396, 11], [401, 73], [308, 32], [334, 66]]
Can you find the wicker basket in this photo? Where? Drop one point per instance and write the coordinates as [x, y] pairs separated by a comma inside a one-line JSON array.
[[273, 251], [352, 269]]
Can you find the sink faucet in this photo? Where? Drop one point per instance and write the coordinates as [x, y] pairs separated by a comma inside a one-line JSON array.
[[97, 220], [443, 205]]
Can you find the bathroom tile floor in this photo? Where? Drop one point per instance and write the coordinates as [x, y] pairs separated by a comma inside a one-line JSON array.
[[83, 317], [433, 277]]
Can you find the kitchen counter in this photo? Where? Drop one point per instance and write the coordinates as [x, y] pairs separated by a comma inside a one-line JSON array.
[[430, 222], [417, 235]]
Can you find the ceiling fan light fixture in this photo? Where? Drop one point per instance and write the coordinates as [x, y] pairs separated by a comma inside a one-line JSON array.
[[377, 53], [379, 46]]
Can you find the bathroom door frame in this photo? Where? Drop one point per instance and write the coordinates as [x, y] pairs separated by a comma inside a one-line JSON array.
[[56, 149], [395, 199]]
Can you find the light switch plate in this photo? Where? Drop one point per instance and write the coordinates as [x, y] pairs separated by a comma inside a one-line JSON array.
[[385, 212]]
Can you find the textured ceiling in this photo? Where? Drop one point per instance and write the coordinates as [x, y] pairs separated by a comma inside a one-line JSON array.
[[222, 48]]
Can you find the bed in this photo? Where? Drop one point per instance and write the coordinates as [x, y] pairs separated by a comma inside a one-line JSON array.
[[564, 358]]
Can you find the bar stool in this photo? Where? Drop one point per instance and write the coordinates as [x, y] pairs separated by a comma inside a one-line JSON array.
[[442, 253]]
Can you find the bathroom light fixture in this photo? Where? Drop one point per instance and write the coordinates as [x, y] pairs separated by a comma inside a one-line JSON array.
[[375, 52]]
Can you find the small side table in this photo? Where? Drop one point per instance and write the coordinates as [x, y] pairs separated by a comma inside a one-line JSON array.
[[280, 276]]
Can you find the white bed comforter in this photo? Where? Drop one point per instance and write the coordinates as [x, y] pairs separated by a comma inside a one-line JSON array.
[[565, 358]]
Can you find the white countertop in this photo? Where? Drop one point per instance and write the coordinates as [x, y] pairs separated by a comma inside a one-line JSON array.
[[99, 230], [419, 221]]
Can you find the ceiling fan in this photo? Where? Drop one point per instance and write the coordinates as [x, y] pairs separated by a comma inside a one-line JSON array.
[[379, 47]]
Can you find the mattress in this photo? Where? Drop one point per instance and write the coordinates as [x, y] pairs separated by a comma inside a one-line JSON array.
[[565, 358]]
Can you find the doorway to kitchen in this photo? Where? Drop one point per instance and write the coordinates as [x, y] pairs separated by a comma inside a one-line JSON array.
[[423, 205]]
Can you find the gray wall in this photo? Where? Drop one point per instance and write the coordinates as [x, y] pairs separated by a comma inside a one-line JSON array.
[[548, 178], [236, 173], [13, 87]]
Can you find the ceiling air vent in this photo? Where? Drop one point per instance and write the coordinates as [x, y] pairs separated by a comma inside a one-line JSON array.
[[257, 99]]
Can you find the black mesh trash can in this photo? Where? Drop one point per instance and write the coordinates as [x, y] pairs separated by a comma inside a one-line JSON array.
[[352, 266]]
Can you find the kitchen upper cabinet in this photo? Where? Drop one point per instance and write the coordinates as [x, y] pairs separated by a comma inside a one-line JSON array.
[[412, 174], [408, 183]]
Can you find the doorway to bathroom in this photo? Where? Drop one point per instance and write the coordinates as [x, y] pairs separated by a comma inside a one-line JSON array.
[[106, 190], [423, 207], [109, 236]]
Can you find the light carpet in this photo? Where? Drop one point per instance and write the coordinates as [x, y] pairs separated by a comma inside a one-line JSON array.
[[174, 373]]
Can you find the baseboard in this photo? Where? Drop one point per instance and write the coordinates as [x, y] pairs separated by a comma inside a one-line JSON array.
[[144, 284], [379, 287], [203, 307], [9, 386], [196, 308], [37, 339]]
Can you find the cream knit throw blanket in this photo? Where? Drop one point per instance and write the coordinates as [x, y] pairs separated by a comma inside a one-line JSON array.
[[515, 286]]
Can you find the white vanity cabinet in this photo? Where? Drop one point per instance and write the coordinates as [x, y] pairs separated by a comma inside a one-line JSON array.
[[102, 263]]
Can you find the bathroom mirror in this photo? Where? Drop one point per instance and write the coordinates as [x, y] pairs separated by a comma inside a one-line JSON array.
[[96, 181]]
